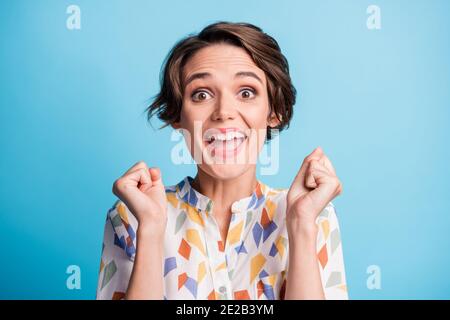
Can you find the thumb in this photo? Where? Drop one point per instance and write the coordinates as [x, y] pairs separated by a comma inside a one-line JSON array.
[[298, 186], [155, 174]]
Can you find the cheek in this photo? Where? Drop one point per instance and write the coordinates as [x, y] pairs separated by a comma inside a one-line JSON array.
[[257, 121], [192, 113], [256, 116], [192, 120], [188, 117]]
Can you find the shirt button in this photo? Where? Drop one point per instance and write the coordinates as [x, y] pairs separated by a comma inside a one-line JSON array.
[[222, 289]]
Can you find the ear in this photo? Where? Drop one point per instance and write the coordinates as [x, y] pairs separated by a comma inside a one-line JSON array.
[[175, 125], [272, 120]]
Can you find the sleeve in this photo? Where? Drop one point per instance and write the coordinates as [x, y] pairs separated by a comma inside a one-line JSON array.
[[330, 255], [118, 252]]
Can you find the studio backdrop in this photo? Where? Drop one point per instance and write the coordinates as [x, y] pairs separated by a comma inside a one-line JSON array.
[[373, 80]]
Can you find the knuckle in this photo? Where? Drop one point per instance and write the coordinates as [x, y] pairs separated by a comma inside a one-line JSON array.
[[304, 163], [118, 182], [336, 181], [312, 163], [139, 164], [310, 158], [142, 163], [144, 171], [140, 170], [117, 185], [338, 185]]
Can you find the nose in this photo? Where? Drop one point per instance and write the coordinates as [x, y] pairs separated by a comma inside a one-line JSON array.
[[225, 109]]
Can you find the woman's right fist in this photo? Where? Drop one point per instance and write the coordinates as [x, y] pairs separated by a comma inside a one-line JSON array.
[[142, 190]]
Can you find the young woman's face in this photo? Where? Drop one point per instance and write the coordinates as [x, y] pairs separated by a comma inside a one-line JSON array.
[[225, 110]]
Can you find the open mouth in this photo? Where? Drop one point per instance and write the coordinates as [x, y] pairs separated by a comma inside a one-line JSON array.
[[224, 142]]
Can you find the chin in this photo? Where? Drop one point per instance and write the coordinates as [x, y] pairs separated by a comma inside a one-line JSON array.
[[225, 171]]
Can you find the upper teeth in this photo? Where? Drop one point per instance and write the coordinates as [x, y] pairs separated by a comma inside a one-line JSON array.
[[225, 136]]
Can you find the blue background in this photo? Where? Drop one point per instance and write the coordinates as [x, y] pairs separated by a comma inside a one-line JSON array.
[[72, 121]]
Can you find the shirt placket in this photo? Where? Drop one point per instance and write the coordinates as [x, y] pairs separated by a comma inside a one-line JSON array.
[[218, 259]]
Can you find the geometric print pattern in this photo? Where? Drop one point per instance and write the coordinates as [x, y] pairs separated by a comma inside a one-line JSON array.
[[252, 264]]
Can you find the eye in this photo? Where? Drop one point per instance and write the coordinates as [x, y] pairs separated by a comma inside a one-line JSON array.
[[200, 95], [247, 93]]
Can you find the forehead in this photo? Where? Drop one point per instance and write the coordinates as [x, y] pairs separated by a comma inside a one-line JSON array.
[[221, 58]]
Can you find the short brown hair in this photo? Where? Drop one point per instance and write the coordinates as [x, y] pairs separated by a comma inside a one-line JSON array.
[[263, 49]]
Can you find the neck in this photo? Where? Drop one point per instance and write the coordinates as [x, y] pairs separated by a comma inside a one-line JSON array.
[[225, 192]]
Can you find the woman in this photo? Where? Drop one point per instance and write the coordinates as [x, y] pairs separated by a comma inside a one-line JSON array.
[[224, 234]]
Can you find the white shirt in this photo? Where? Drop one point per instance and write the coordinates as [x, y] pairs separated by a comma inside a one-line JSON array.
[[253, 264]]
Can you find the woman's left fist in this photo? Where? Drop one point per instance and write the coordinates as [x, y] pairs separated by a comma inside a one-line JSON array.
[[315, 185]]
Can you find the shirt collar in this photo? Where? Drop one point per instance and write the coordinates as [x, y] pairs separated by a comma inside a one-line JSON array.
[[204, 204]]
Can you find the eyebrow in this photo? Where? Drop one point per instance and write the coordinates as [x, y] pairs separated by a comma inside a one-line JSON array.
[[198, 75], [248, 74], [203, 75]]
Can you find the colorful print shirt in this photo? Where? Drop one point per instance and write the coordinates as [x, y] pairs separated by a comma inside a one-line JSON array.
[[252, 264]]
